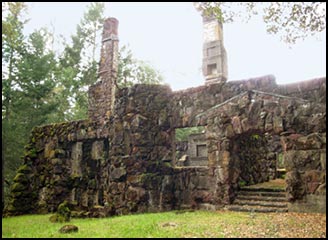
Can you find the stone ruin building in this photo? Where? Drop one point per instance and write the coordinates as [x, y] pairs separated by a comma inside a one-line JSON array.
[[122, 159]]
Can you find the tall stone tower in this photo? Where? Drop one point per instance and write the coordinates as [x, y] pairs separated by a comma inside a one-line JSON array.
[[214, 54], [102, 93]]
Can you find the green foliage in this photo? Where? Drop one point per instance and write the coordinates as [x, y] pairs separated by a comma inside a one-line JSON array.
[[281, 163], [242, 183], [13, 134], [293, 20], [77, 69], [255, 137], [182, 134]]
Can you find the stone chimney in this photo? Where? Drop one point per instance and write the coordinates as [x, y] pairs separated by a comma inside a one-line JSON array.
[[102, 93], [214, 54]]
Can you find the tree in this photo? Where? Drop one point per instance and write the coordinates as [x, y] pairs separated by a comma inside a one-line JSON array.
[[132, 71], [36, 82], [32, 101], [292, 20], [78, 68], [94, 19], [182, 134], [12, 47]]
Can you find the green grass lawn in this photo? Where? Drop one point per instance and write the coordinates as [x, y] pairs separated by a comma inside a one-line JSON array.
[[170, 224]]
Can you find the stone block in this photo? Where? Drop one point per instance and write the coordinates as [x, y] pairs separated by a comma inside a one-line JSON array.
[[229, 132], [213, 158], [323, 160], [97, 151], [245, 124], [268, 126], [76, 159], [313, 179], [49, 149], [236, 125], [224, 158], [118, 173], [309, 204], [302, 160], [278, 126]]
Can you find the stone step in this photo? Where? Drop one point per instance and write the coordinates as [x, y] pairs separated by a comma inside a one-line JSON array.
[[261, 198], [261, 193], [260, 203], [261, 189], [255, 208]]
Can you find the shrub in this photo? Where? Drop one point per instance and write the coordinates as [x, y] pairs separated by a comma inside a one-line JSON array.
[[63, 213]]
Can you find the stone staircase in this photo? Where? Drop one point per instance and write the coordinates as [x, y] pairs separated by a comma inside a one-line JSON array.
[[260, 200]]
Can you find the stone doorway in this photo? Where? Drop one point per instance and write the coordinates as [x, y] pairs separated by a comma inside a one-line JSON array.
[[255, 158]]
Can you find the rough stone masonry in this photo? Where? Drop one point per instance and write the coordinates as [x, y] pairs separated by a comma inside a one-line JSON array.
[[122, 158]]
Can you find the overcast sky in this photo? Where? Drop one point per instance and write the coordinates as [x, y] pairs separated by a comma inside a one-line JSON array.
[[169, 36]]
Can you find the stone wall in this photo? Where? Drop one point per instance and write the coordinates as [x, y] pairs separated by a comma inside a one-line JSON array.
[[305, 161], [255, 113], [314, 90], [126, 164], [188, 103], [121, 166], [54, 165]]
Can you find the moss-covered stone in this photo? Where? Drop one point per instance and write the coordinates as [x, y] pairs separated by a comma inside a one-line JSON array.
[[24, 169], [68, 229], [56, 161], [92, 184], [59, 152], [64, 213], [21, 177], [53, 218], [58, 218], [18, 187], [32, 153]]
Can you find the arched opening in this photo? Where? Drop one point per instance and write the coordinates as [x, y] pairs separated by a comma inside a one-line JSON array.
[[256, 160]]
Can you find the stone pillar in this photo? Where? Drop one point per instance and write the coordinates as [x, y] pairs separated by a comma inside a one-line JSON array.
[[214, 54], [102, 94], [109, 51]]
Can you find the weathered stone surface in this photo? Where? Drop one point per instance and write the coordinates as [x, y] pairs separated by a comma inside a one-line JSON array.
[[310, 204], [68, 229], [302, 159], [295, 188], [278, 124], [313, 179], [236, 125], [97, 151]]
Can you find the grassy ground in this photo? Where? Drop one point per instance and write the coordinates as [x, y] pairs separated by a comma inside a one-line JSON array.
[[173, 224], [275, 184]]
